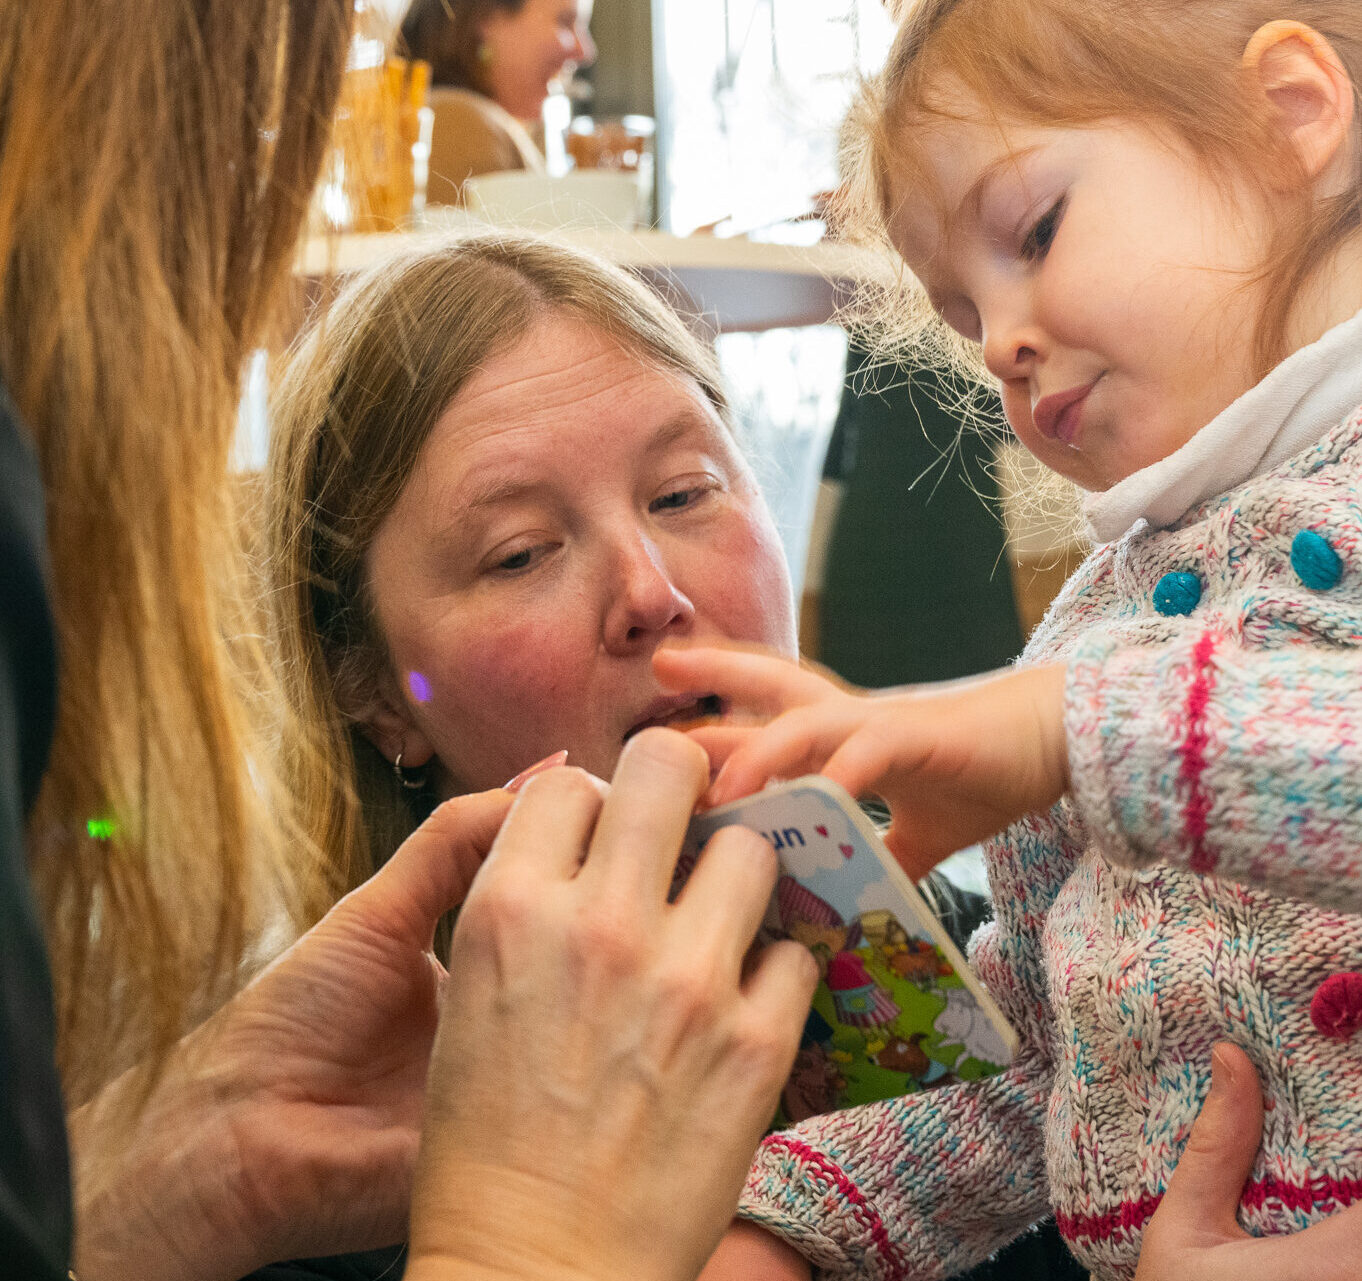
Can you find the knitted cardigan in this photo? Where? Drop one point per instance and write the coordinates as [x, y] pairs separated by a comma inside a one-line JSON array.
[[1192, 887]]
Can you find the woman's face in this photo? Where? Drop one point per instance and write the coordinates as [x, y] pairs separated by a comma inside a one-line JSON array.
[[529, 48], [574, 507]]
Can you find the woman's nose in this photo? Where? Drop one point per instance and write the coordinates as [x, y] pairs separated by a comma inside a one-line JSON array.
[[583, 51], [645, 603]]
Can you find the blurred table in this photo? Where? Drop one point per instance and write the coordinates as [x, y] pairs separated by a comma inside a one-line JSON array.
[[732, 286]]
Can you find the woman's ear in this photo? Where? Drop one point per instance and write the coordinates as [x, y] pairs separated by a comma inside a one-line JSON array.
[[1310, 95], [387, 722]]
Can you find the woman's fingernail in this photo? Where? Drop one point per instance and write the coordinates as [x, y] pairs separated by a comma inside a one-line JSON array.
[[1222, 1071], [549, 762]]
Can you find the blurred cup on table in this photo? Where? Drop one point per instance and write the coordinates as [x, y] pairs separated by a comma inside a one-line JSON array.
[[623, 145], [374, 176]]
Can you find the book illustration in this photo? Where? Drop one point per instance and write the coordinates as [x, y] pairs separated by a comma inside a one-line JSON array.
[[857, 998], [896, 1010]]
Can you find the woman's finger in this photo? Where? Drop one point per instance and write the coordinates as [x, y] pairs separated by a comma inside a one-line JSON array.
[[1205, 1187], [433, 868], [748, 679], [1197, 1217], [780, 983], [1327, 1251], [657, 782], [549, 825], [725, 900]]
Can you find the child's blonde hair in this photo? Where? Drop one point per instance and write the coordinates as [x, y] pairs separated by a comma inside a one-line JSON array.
[[357, 403], [1175, 64]]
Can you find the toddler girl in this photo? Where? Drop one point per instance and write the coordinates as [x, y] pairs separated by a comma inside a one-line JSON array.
[[1145, 216]]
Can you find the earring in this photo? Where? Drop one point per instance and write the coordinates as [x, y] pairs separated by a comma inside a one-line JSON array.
[[412, 779]]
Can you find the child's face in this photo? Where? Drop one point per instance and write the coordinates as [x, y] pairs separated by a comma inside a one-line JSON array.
[[1108, 276]]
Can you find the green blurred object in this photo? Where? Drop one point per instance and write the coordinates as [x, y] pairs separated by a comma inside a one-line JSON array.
[[917, 585]]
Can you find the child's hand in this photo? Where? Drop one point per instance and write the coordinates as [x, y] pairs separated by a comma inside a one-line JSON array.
[[956, 762], [751, 1253]]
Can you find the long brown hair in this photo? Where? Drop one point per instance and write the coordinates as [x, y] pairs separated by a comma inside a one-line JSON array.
[[355, 407], [156, 159], [1074, 62], [448, 35]]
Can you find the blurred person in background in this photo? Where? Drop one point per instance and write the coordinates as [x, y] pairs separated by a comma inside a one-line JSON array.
[[493, 63]]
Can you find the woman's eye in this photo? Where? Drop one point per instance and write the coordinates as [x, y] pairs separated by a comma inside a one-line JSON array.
[[1042, 235], [675, 499], [516, 561]]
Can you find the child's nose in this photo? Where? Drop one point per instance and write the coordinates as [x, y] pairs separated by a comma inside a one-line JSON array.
[[1010, 352]]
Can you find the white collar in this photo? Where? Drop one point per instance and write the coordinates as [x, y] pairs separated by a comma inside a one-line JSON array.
[[1308, 394]]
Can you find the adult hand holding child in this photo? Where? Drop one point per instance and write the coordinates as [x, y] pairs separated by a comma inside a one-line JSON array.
[[1194, 1234]]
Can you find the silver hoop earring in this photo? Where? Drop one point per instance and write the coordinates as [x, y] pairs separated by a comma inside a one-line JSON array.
[[412, 779]]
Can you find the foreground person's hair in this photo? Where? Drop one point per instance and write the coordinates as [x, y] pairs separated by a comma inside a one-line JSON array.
[[156, 159], [356, 406]]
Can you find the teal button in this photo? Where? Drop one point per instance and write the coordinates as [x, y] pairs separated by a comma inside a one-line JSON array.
[[1316, 563], [1177, 593]]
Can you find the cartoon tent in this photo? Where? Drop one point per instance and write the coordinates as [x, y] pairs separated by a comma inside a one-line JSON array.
[[859, 1000]]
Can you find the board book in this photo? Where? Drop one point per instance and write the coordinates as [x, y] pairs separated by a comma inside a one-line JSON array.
[[897, 1007]]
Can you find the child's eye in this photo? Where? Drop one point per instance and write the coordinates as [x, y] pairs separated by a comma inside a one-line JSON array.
[[1042, 235]]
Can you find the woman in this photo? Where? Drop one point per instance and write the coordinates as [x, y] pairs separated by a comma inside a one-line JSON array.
[[492, 62], [164, 201], [501, 475]]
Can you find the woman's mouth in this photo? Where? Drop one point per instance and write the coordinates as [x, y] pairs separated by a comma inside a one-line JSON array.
[[675, 713]]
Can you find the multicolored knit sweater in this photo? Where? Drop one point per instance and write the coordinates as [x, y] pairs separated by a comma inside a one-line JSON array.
[[1193, 887]]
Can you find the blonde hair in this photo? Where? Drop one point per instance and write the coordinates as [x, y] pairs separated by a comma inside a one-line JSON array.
[[356, 405], [156, 159], [1076, 62]]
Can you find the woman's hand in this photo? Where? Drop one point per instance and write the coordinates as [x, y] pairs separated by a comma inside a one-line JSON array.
[[289, 1123], [606, 1061], [1194, 1235], [956, 762]]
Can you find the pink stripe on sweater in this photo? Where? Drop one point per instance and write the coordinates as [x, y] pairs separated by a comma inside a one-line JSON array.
[[1193, 753], [1131, 1216], [849, 1191]]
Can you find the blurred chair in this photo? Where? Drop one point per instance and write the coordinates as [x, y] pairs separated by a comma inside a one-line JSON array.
[[915, 576]]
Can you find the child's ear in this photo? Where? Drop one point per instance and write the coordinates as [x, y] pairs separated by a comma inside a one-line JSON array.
[[1310, 95]]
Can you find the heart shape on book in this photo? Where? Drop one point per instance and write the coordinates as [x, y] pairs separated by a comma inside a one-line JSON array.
[[821, 830], [847, 850]]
